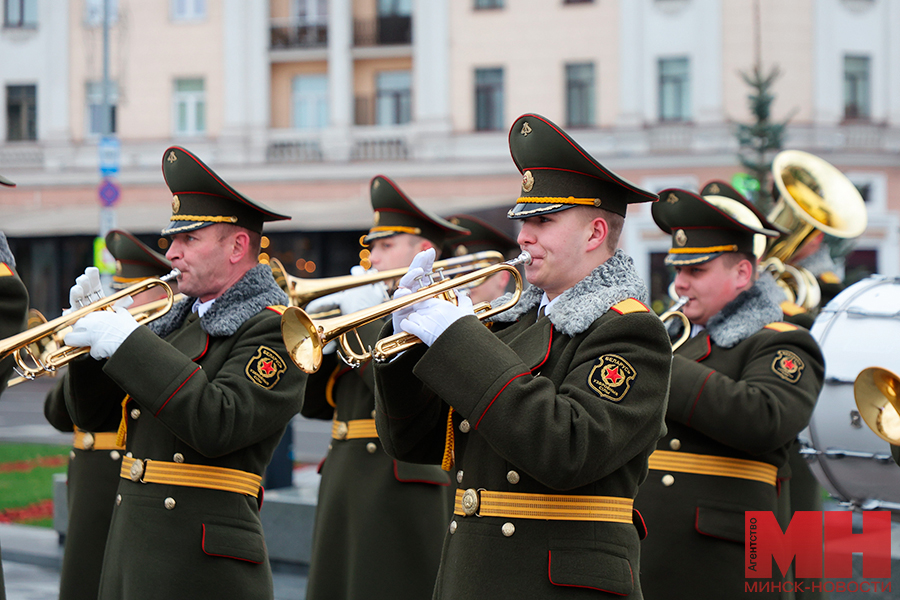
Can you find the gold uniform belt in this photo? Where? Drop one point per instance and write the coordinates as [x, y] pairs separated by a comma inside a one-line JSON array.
[[702, 464], [104, 440], [199, 476], [551, 507], [353, 430]]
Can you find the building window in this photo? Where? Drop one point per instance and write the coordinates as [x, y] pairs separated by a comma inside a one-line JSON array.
[[856, 87], [188, 10], [93, 12], [488, 99], [393, 103], [309, 102], [481, 4], [674, 89], [94, 102], [20, 14], [189, 107], [397, 8], [580, 95], [21, 112]]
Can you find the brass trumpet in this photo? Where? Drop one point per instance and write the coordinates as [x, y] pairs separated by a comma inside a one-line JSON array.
[[303, 291], [674, 312], [22, 345], [876, 392], [306, 338]]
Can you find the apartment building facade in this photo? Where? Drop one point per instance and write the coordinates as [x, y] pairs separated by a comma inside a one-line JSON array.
[[300, 102]]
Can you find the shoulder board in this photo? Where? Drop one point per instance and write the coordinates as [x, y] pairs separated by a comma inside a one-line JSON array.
[[781, 326], [791, 309], [5, 271], [629, 305], [277, 308], [829, 277]]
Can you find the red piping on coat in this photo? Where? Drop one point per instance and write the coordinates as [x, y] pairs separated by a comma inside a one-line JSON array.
[[176, 391], [697, 399], [203, 545]]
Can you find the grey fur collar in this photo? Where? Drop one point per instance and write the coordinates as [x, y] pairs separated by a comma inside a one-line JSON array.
[[585, 302], [6, 255], [752, 310], [252, 293]]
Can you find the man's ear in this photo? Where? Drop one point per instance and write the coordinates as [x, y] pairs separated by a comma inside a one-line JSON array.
[[240, 246], [597, 233], [745, 271]]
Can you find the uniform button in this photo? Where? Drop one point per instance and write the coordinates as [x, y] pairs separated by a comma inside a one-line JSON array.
[[118, 499], [453, 527], [88, 441], [470, 502], [465, 426], [373, 413], [72, 454], [135, 413], [512, 477], [128, 454], [178, 457], [508, 529], [667, 480], [371, 447], [459, 476], [342, 431], [329, 447], [115, 455], [169, 503], [675, 444], [137, 470]]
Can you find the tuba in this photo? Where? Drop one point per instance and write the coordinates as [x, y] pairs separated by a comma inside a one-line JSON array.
[[26, 345], [305, 338], [813, 197], [302, 291], [876, 393]]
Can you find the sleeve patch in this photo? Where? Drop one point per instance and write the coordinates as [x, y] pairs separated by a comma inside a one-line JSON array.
[[611, 377], [788, 366], [781, 326], [278, 308], [629, 305], [265, 368], [5, 271]]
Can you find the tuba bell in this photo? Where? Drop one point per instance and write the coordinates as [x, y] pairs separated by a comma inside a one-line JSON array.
[[876, 392]]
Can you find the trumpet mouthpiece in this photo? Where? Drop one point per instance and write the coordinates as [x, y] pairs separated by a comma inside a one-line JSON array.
[[523, 259], [173, 274]]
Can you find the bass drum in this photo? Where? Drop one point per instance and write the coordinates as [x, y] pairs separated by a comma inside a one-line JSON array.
[[859, 328]]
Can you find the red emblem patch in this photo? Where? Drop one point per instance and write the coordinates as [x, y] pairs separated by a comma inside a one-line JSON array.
[[611, 377], [265, 368], [788, 366]]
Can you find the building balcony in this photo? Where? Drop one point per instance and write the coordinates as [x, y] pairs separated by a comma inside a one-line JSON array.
[[389, 30], [289, 34]]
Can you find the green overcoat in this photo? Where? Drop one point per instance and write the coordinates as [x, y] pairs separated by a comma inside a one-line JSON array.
[[91, 484], [741, 389], [213, 391], [13, 311], [570, 404], [380, 522]]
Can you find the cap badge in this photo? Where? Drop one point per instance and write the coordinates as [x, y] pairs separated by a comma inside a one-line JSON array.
[[172, 158], [680, 237], [526, 128], [176, 205], [461, 250], [598, 202], [376, 218], [671, 198], [527, 180], [714, 188], [118, 266]]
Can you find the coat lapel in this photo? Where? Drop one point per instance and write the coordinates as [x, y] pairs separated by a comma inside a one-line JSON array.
[[697, 348], [530, 340], [190, 338]]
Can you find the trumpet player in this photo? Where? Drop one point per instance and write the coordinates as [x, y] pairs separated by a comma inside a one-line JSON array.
[[742, 388], [546, 420], [379, 521], [203, 395], [96, 457], [483, 237]]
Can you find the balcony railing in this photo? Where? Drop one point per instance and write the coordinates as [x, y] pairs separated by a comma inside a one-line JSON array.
[[382, 31], [296, 33]]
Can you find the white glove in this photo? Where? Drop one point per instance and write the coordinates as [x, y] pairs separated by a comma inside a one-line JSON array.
[[87, 289], [432, 317], [102, 330], [422, 263], [363, 296]]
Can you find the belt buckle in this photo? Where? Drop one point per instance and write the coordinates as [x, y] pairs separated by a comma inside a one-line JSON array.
[[138, 468], [471, 502]]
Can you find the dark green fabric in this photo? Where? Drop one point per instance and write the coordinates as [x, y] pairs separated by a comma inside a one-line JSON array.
[[524, 393], [393, 208], [194, 398], [727, 403], [93, 478], [134, 259], [483, 237], [380, 522]]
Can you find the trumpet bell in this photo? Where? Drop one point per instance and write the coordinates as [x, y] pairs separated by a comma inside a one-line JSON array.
[[876, 392], [307, 347]]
